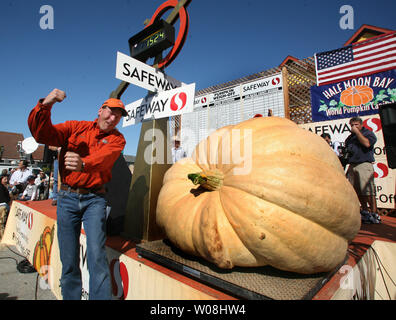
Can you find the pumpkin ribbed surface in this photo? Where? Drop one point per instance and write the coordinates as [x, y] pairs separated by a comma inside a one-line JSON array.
[[294, 209], [356, 96]]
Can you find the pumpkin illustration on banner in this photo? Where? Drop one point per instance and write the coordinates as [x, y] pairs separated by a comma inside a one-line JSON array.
[[356, 96], [42, 251], [261, 192]]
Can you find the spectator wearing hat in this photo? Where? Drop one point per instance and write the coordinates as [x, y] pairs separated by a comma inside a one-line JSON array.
[[89, 150], [31, 190], [177, 151]]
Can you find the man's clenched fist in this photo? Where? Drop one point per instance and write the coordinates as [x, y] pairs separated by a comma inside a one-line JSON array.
[[55, 95], [73, 161]]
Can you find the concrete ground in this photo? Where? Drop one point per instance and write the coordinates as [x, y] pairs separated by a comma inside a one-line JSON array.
[[19, 286]]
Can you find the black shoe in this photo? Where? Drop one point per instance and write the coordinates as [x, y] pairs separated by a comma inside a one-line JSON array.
[[25, 267], [54, 202]]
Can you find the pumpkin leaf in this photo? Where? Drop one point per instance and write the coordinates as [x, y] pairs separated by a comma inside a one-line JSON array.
[[333, 103], [323, 107], [381, 97], [391, 91]]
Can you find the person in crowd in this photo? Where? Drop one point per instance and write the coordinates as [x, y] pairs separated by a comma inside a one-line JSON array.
[[177, 151], [41, 182], [31, 190], [326, 137], [18, 179], [4, 190], [10, 173], [360, 146], [51, 186], [5, 200], [54, 187], [89, 151], [334, 145]]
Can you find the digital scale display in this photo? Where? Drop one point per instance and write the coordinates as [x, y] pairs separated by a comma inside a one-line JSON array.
[[152, 40]]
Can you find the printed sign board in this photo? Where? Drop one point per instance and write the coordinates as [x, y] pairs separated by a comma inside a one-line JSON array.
[[140, 74], [242, 91], [164, 104], [384, 177], [230, 106], [354, 97]]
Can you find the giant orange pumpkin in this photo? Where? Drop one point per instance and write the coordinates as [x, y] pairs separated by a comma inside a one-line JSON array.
[[292, 209], [356, 95]]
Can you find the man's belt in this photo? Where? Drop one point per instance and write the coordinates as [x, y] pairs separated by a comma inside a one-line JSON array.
[[99, 190]]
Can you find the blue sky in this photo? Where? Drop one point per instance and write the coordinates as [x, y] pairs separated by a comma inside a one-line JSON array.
[[227, 40]]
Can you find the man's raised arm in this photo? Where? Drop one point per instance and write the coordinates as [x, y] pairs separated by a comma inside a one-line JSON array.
[[39, 120]]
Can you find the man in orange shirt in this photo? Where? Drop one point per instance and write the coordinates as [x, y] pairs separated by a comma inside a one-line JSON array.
[[88, 152]]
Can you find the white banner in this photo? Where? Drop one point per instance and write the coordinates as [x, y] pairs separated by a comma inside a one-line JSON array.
[[241, 90], [262, 84], [384, 177], [140, 74], [164, 104]]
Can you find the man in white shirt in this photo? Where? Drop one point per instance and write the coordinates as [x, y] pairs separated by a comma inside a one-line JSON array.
[[31, 190], [177, 151], [18, 179]]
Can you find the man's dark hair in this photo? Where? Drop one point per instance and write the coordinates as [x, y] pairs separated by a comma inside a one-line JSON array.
[[356, 119], [25, 163], [325, 135]]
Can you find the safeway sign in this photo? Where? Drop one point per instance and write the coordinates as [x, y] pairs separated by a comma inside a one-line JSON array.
[[140, 74], [164, 104]]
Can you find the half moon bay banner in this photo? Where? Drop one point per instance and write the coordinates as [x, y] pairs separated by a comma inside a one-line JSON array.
[[359, 96]]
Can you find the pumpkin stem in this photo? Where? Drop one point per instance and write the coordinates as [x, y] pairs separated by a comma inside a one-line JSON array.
[[196, 178], [209, 180]]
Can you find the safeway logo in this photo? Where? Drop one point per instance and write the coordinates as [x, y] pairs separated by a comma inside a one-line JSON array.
[[119, 279], [275, 81], [373, 124], [162, 105], [178, 101], [380, 170], [30, 220]]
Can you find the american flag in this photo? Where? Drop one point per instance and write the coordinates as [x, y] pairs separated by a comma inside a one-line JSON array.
[[363, 58]]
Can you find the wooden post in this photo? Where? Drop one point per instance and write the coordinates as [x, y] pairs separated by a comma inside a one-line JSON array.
[[286, 92], [117, 93], [140, 217]]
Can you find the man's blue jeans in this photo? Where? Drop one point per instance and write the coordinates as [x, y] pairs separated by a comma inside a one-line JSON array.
[[90, 209]]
